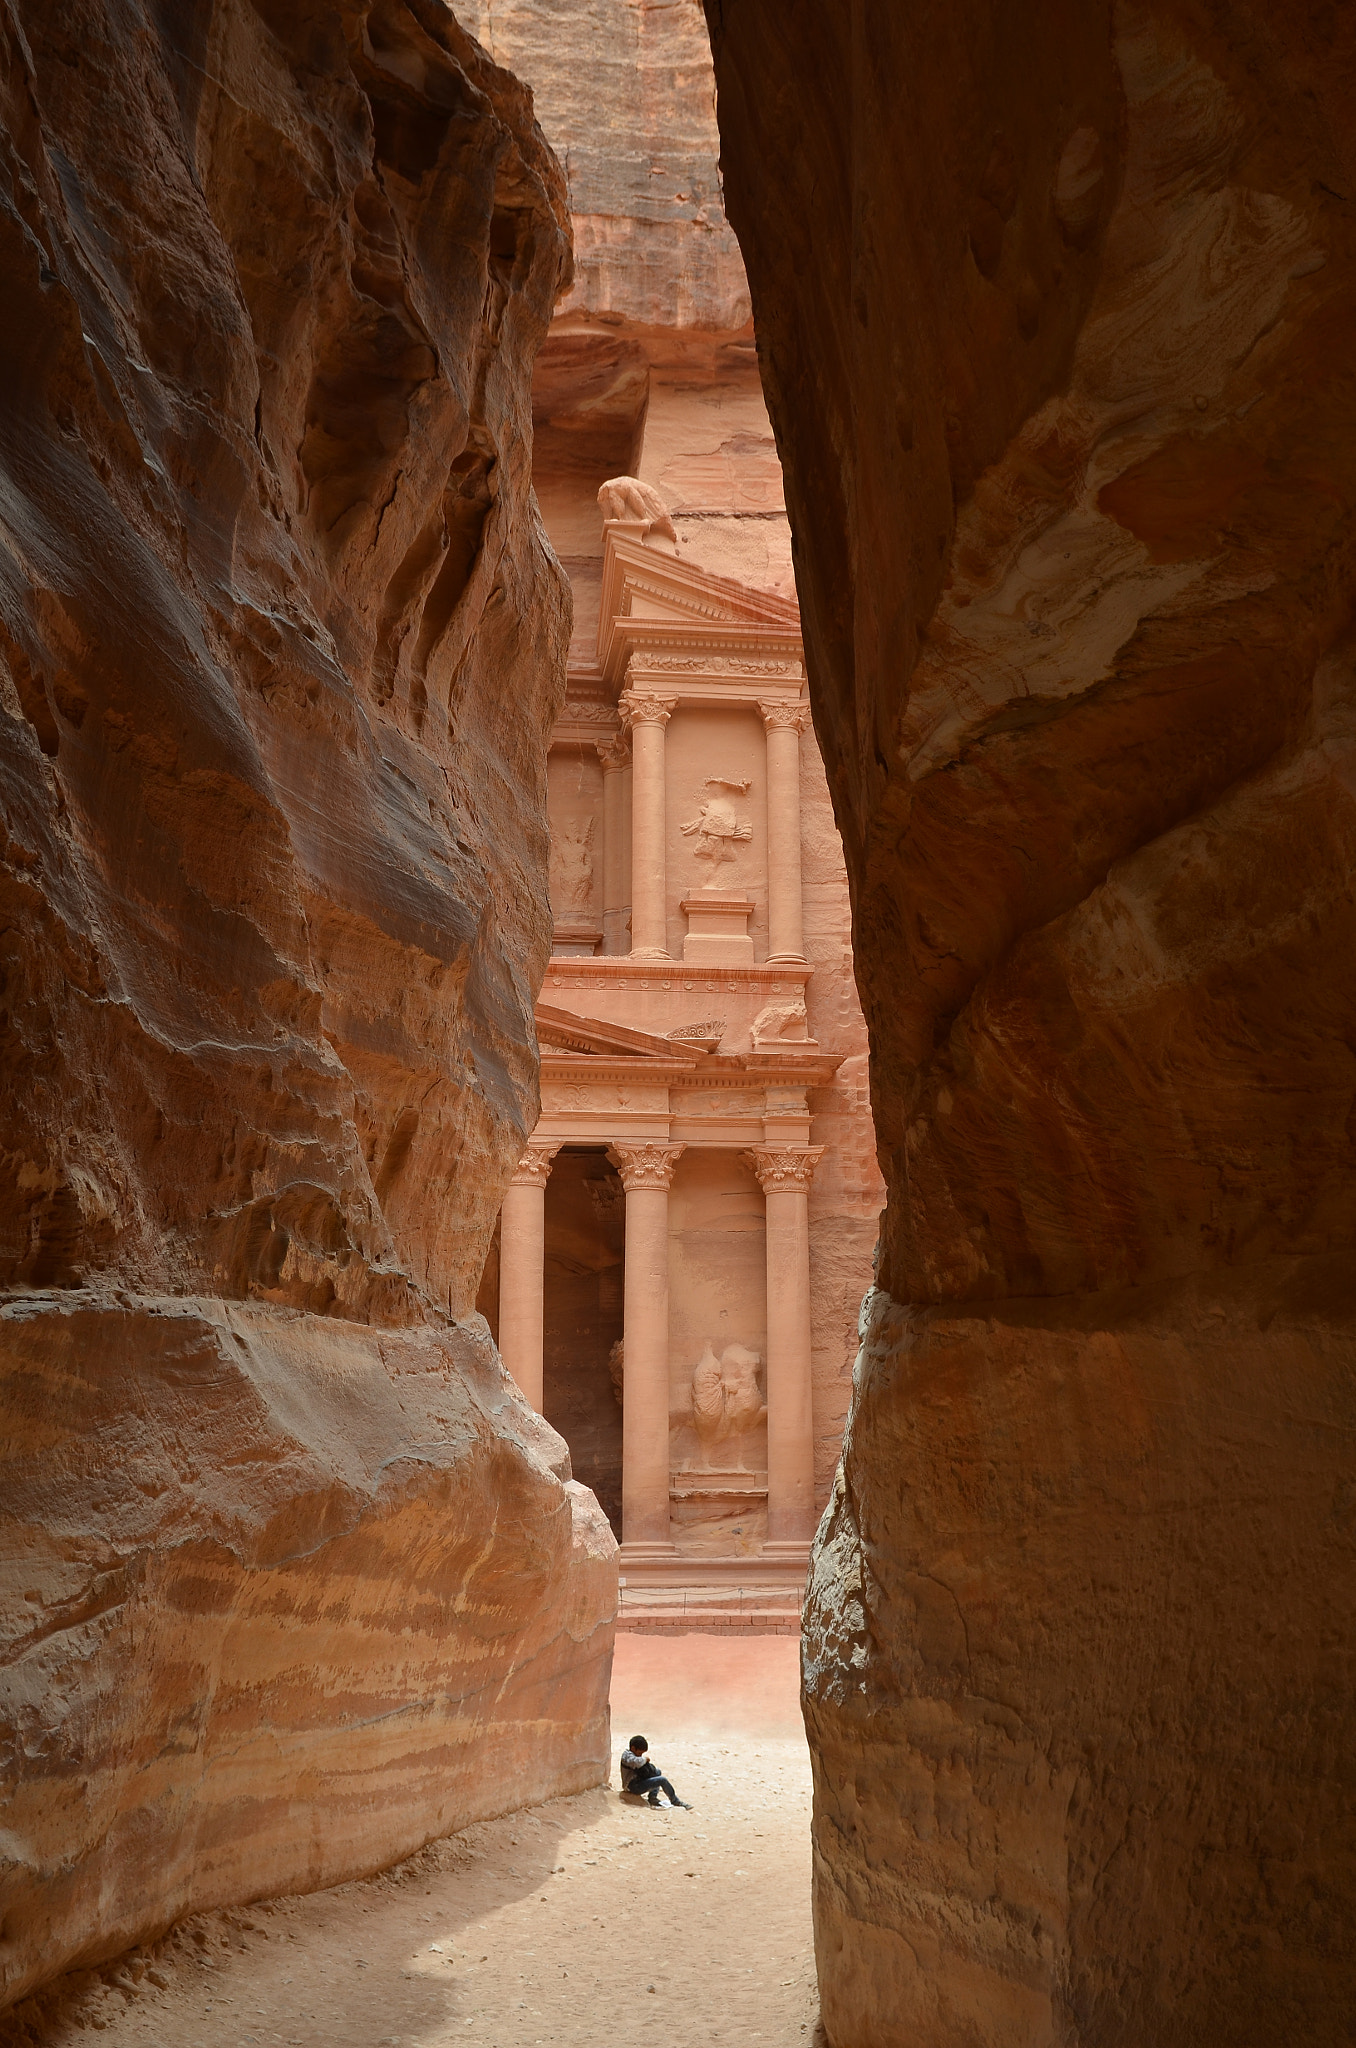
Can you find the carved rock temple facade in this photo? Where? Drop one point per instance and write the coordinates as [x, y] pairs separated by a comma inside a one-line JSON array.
[[683, 1254], [691, 1227]]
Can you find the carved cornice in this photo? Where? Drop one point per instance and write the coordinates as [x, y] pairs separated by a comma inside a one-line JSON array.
[[638, 584], [644, 1165], [785, 717], [630, 971], [639, 707], [534, 1168], [779, 1168]]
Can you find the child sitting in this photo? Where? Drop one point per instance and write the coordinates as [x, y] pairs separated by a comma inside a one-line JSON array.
[[640, 1776]]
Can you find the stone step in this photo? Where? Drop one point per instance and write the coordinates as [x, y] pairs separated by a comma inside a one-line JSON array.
[[710, 1609], [706, 1621], [786, 1599], [782, 1570]]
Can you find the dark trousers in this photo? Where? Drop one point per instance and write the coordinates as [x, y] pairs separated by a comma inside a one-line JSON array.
[[651, 1784]]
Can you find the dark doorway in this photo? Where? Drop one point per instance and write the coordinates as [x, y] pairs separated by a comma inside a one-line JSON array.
[[585, 1253]]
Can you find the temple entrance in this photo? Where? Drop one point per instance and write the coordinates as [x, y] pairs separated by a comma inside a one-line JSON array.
[[584, 1270]]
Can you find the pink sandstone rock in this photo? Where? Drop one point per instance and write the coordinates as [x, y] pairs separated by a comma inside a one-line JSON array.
[[1054, 310], [289, 1570]]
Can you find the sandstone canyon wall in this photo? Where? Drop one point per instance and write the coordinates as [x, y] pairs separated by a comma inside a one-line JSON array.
[[1054, 308], [289, 1570], [650, 367]]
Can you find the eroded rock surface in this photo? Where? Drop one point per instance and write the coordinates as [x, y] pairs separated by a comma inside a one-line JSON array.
[[622, 89], [650, 367], [1053, 307], [280, 644]]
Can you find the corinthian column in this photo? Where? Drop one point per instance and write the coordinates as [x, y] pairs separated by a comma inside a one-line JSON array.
[[784, 724], [615, 757], [645, 717], [785, 1176], [646, 1170], [522, 1253]]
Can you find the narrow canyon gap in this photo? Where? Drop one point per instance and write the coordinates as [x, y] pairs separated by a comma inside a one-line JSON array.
[[1054, 309], [293, 1580]]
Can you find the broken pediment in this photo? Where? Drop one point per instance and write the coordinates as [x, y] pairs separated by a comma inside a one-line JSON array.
[[656, 605], [564, 1031]]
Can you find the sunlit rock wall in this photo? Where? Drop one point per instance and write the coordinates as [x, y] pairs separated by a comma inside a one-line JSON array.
[[622, 89], [288, 1570], [650, 368], [1054, 310]]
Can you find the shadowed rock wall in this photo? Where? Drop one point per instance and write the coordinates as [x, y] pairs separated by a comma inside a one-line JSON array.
[[287, 1566], [1054, 310]]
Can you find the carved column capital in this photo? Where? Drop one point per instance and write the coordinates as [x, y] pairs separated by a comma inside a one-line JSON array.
[[614, 753], [779, 716], [534, 1168], [644, 1164], [645, 707], [779, 1168]]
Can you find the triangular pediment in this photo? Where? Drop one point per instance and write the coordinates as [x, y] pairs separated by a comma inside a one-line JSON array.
[[651, 597], [565, 1031], [647, 575]]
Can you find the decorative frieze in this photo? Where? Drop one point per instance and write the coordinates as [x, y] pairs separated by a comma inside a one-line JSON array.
[[584, 722], [661, 663]]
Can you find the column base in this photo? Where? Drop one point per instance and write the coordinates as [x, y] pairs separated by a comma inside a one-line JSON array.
[[787, 960], [646, 1553], [650, 953], [781, 1551]]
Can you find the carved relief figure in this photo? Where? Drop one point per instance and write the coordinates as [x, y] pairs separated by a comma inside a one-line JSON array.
[[726, 1400], [571, 879], [718, 830], [778, 1022], [616, 1369]]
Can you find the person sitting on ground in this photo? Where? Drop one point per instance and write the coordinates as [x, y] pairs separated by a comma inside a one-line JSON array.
[[642, 1776]]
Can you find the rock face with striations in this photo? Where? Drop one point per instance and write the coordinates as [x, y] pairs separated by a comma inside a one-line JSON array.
[[623, 91], [289, 1572], [1054, 308]]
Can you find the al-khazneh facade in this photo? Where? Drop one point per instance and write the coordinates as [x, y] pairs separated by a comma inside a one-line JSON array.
[[685, 1247]]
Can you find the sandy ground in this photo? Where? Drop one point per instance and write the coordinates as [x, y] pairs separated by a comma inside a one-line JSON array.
[[587, 1920]]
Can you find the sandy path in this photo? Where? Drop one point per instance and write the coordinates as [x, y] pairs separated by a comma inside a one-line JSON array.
[[582, 1921]]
